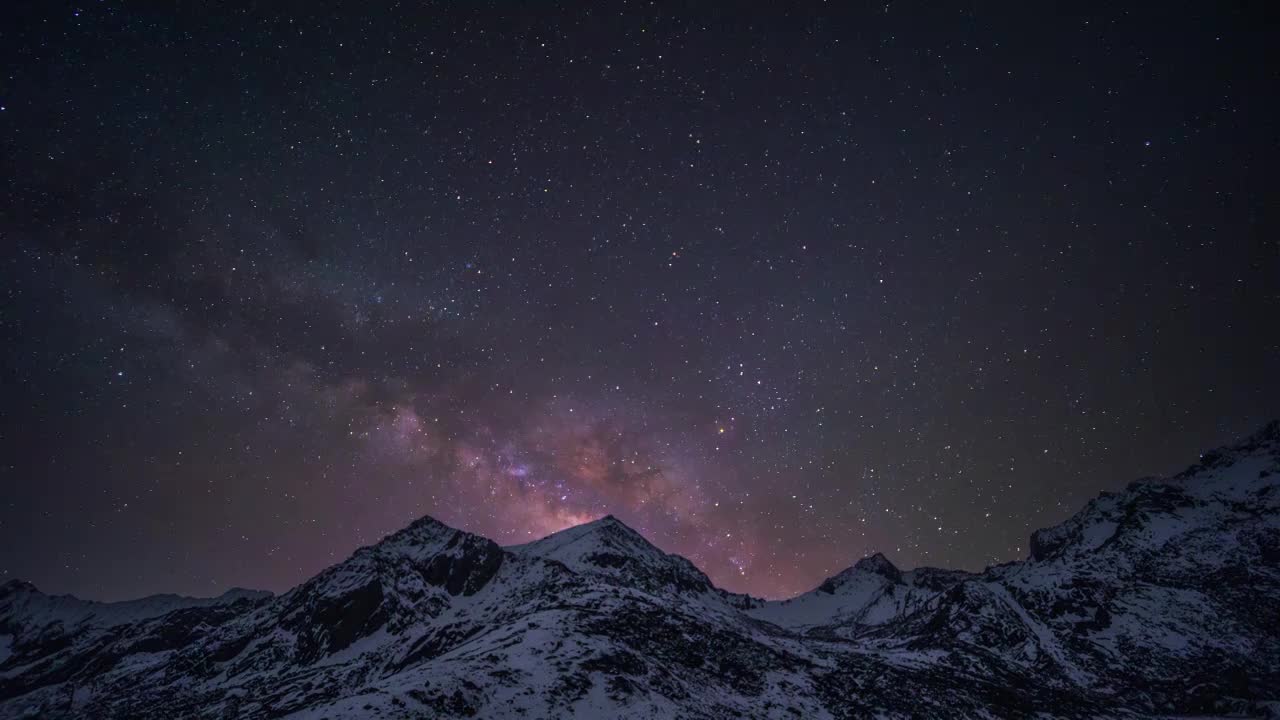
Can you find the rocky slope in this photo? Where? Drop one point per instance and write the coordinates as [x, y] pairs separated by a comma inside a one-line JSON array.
[[1157, 600]]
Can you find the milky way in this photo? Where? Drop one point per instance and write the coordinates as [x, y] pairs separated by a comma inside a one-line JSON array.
[[779, 287]]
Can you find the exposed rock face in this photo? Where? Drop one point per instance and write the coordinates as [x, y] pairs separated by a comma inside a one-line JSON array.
[[1158, 600]]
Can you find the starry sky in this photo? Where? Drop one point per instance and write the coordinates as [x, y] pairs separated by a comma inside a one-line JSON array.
[[779, 285]]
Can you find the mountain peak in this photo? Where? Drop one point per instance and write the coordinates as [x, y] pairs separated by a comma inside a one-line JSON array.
[[606, 526], [875, 564], [425, 528], [607, 521], [1265, 442], [607, 530], [15, 586], [878, 564], [608, 547], [426, 522], [421, 539]]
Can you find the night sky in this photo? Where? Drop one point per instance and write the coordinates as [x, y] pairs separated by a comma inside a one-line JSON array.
[[778, 285]]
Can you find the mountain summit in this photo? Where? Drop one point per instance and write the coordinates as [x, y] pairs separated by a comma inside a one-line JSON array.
[[1153, 601], [880, 565]]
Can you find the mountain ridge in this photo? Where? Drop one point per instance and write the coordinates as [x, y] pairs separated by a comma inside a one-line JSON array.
[[1152, 600]]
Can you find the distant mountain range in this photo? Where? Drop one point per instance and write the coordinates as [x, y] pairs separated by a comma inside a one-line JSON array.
[[1159, 600]]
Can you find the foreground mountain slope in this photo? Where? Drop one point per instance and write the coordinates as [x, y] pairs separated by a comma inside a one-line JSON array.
[[1156, 600]]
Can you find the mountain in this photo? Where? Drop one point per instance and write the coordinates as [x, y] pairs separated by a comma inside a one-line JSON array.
[[1154, 601]]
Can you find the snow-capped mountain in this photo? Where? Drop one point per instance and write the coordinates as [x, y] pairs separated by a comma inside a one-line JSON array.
[[1158, 600]]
